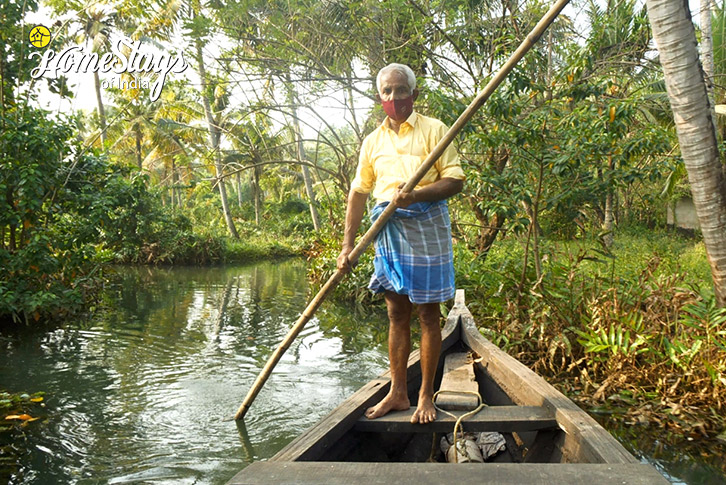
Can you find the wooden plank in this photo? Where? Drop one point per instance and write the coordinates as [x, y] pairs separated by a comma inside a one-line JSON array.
[[492, 418], [313, 443], [587, 441], [513, 447], [458, 380], [325, 473]]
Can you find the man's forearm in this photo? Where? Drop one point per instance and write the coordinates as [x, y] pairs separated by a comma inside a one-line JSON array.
[[353, 217], [439, 190]]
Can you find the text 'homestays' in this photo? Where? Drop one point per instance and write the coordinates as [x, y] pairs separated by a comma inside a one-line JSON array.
[[73, 59]]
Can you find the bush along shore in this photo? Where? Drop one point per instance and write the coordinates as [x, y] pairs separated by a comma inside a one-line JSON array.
[[633, 331]]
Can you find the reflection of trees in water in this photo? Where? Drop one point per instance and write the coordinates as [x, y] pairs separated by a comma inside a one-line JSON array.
[[696, 461], [276, 293], [357, 332], [253, 307], [162, 332]]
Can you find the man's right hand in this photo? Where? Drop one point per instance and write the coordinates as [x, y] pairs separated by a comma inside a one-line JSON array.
[[343, 263]]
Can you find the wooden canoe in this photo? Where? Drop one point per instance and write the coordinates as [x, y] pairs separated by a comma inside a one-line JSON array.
[[549, 439]]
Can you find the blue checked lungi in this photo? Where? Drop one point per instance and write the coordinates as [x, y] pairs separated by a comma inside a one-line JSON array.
[[414, 255]]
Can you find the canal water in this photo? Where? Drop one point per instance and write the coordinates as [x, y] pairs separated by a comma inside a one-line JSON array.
[[145, 391]]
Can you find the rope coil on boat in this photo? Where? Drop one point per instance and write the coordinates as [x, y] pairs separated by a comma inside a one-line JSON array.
[[457, 425]]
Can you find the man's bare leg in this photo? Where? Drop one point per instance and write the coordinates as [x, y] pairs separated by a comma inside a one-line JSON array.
[[399, 347], [429, 316]]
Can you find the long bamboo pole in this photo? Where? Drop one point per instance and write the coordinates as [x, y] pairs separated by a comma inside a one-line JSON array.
[[368, 237]]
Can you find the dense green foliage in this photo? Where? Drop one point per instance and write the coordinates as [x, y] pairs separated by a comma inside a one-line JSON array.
[[637, 326], [67, 212], [47, 269]]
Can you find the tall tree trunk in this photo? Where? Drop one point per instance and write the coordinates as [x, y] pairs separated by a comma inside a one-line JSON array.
[[548, 89], [351, 104], [215, 135], [101, 110], [137, 134], [256, 189], [609, 222], [239, 188], [675, 37], [174, 184], [297, 133], [707, 47]]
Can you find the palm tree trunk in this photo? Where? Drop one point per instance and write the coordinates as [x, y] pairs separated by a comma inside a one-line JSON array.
[[215, 134], [707, 47], [256, 189], [101, 110], [239, 188], [609, 222], [675, 37], [258, 196], [137, 136]]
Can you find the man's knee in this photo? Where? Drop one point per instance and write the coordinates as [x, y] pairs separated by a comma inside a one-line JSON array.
[[399, 308], [429, 314]]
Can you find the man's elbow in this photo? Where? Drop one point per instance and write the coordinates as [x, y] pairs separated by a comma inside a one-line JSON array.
[[457, 185], [355, 197]]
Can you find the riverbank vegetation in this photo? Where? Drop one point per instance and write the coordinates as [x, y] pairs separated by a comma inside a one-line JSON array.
[[572, 166], [631, 330]]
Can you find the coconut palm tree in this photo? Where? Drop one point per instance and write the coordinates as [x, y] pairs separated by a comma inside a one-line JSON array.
[[675, 38], [93, 23]]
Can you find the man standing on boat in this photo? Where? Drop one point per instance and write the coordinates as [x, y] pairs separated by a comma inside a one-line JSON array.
[[414, 256]]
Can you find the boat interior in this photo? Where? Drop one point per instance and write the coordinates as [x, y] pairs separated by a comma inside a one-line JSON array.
[[365, 443]]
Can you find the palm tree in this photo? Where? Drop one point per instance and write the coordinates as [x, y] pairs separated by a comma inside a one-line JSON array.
[[94, 24], [215, 132], [676, 40]]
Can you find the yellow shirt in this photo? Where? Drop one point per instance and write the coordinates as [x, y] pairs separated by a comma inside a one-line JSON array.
[[388, 158]]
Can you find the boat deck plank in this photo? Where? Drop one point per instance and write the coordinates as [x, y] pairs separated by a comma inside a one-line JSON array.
[[491, 418], [324, 473], [458, 384], [320, 438]]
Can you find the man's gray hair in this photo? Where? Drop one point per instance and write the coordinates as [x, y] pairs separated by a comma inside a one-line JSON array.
[[403, 69]]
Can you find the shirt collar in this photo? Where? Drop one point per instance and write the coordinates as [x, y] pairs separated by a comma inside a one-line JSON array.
[[411, 121]]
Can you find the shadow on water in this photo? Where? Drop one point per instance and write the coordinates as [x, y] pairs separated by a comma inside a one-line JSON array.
[[141, 392]]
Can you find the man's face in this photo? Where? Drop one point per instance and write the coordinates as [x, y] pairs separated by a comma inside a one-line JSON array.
[[394, 85]]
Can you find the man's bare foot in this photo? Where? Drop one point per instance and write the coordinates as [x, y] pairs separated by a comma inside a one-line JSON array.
[[392, 402], [425, 411]]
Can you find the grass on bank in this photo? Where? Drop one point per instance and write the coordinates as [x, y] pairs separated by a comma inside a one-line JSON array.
[[634, 329]]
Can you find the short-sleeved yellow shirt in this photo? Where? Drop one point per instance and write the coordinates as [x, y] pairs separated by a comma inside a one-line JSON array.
[[388, 158]]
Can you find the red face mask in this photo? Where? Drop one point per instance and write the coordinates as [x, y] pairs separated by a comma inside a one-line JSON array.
[[398, 109]]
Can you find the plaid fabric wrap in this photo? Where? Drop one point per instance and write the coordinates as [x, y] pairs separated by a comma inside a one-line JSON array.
[[414, 255]]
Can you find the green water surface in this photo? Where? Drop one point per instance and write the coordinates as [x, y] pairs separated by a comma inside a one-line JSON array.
[[144, 392]]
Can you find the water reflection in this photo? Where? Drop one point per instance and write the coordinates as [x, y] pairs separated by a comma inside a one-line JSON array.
[[681, 461], [140, 394]]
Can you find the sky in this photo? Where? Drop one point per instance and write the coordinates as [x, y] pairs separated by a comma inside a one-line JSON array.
[[330, 107]]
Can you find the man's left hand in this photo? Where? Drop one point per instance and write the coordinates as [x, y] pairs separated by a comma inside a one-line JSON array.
[[403, 199]]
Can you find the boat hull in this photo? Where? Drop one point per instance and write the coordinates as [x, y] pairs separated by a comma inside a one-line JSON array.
[[549, 439]]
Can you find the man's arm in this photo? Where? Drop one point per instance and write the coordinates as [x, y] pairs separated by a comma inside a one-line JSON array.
[[439, 190], [353, 217]]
